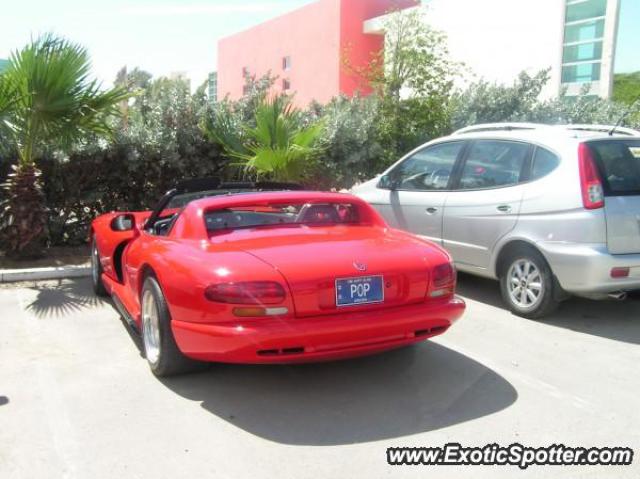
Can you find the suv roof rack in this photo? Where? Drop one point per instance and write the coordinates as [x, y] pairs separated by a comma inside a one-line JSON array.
[[488, 127], [482, 127], [619, 130]]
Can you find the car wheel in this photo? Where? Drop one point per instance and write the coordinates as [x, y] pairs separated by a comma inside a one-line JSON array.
[[527, 284], [161, 350], [96, 270]]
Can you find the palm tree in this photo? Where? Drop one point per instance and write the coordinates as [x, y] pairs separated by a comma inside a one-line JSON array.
[[48, 100], [280, 146]]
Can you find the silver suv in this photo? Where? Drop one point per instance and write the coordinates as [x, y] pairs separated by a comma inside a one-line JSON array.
[[549, 211]]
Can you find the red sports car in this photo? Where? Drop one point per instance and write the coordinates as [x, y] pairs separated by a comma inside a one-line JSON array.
[[234, 273]]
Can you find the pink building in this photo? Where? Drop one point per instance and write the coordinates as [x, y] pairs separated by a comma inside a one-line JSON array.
[[306, 50]]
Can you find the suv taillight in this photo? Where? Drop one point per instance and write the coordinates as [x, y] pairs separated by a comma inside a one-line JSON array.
[[248, 292], [590, 183], [443, 281]]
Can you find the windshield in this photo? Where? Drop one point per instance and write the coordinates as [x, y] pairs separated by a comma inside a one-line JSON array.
[[318, 214], [619, 165]]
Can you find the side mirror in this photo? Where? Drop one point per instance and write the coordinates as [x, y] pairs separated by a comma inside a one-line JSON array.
[[125, 222], [387, 183]]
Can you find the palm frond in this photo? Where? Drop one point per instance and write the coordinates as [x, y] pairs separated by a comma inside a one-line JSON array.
[[55, 100], [279, 146]]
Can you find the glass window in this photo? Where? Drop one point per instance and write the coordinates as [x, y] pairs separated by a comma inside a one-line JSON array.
[[281, 215], [582, 52], [584, 31], [584, 72], [427, 170], [584, 10], [544, 162], [619, 164], [286, 84], [286, 63], [492, 164]]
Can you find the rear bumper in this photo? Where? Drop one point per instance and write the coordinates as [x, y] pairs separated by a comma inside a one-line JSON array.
[[315, 339], [585, 269]]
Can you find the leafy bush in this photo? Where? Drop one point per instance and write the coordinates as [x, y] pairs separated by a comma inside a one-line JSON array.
[[485, 102], [626, 87], [157, 142], [46, 99], [351, 148]]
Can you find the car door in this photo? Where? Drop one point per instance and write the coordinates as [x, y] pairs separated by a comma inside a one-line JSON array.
[[412, 194], [485, 201]]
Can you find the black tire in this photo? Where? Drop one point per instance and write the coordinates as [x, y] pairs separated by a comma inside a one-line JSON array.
[[170, 360], [96, 271], [546, 301]]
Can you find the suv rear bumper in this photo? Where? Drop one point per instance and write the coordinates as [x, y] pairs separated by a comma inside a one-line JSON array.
[[585, 269]]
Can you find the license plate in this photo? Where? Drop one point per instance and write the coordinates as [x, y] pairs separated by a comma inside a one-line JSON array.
[[361, 290]]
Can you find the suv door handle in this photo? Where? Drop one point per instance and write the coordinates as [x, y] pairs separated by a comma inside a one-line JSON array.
[[431, 210], [504, 208]]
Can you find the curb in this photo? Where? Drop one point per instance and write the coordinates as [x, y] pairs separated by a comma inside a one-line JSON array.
[[41, 274]]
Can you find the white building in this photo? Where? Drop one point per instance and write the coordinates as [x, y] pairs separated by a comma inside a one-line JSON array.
[[497, 39]]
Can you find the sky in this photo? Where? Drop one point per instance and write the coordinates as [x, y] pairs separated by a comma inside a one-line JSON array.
[[628, 49], [160, 36], [166, 36]]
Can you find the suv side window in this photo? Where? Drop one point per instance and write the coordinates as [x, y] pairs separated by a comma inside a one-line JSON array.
[[493, 164], [544, 162], [428, 169]]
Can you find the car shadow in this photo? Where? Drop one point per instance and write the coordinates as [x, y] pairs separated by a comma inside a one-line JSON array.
[[56, 299], [399, 393], [617, 320]]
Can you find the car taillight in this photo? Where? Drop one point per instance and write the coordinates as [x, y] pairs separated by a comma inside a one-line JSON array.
[[592, 191], [248, 292], [621, 272], [443, 280]]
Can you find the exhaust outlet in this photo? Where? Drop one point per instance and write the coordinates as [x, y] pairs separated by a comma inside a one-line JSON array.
[[618, 295]]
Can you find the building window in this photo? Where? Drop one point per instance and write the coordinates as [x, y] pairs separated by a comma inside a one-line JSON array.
[[583, 41], [581, 73], [578, 10], [245, 72], [286, 63], [583, 52], [286, 84], [583, 32], [213, 87]]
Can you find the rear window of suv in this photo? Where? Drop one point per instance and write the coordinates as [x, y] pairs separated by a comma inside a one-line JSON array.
[[619, 165]]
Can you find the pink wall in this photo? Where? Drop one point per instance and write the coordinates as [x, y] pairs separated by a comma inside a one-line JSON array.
[[315, 37], [360, 46], [309, 35]]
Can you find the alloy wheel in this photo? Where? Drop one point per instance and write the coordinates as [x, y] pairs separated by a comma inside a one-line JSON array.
[[95, 264], [150, 327], [525, 284]]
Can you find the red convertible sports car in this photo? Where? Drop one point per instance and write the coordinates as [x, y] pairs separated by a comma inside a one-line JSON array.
[[236, 273]]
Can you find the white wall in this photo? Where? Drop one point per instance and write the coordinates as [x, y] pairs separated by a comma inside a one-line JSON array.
[[497, 39]]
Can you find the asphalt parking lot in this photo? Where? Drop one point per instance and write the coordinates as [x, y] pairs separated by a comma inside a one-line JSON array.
[[78, 401]]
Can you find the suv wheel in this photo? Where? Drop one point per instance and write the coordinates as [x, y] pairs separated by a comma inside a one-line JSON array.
[[527, 284]]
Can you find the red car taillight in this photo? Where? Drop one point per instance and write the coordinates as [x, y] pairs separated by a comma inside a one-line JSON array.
[[443, 280], [248, 292], [592, 190]]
